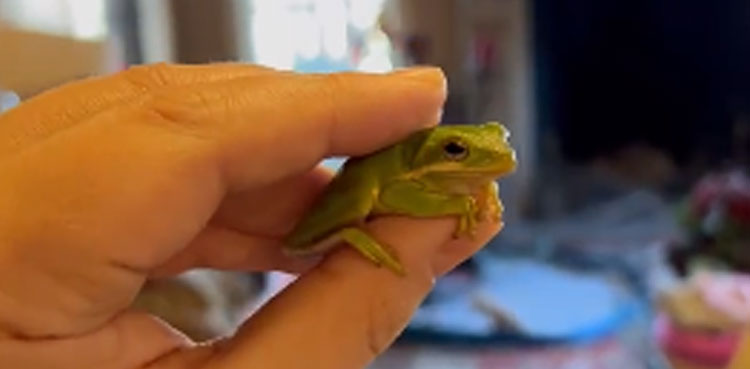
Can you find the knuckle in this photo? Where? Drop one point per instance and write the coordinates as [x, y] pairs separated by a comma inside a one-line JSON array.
[[148, 76], [334, 85], [334, 82], [329, 94], [170, 113]]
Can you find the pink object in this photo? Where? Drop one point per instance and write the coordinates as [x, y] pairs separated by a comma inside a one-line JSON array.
[[727, 293], [713, 349], [730, 190]]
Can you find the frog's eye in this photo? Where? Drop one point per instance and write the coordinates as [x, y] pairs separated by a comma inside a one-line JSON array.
[[455, 150]]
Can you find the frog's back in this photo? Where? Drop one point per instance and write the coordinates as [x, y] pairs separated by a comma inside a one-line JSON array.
[[351, 195], [346, 201]]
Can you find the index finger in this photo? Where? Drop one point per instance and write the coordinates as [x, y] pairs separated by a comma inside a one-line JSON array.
[[345, 312], [268, 127], [62, 107]]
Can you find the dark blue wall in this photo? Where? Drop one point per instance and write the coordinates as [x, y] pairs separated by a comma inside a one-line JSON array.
[[671, 73]]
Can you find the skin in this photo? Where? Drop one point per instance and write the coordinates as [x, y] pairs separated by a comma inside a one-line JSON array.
[[437, 171], [110, 181]]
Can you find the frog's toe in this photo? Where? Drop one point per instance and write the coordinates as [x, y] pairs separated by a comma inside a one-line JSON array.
[[472, 232], [464, 226], [497, 210], [467, 227], [461, 227], [497, 214]]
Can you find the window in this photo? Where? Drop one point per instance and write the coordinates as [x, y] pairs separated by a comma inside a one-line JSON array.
[[80, 19], [318, 35]]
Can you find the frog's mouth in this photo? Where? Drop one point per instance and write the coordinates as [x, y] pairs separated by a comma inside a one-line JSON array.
[[499, 168], [481, 174]]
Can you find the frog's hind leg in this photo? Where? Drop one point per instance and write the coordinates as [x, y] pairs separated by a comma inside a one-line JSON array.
[[370, 248]]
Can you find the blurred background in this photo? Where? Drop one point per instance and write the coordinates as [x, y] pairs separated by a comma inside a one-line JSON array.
[[627, 232]]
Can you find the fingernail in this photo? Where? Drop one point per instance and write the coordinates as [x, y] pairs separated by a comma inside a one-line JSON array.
[[439, 116], [429, 75]]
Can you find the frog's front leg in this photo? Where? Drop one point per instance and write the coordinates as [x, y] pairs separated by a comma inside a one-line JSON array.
[[411, 198], [489, 199]]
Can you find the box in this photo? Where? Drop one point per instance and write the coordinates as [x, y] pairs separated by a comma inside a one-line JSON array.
[[31, 62]]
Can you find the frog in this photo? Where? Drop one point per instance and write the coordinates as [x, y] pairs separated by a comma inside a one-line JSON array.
[[447, 170]]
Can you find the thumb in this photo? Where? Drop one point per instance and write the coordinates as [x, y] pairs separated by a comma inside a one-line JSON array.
[[130, 340]]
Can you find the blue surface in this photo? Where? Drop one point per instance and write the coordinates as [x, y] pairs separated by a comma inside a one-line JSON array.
[[549, 304]]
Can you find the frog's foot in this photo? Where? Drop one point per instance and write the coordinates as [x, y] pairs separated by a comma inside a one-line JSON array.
[[371, 249], [468, 220]]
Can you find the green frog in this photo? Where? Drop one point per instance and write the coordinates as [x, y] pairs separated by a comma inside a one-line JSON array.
[[446, 170]]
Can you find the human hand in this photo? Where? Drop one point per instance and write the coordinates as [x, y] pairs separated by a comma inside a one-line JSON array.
[[110, 181]]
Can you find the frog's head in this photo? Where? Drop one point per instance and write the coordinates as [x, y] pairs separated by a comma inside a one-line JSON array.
[[466, 150]]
